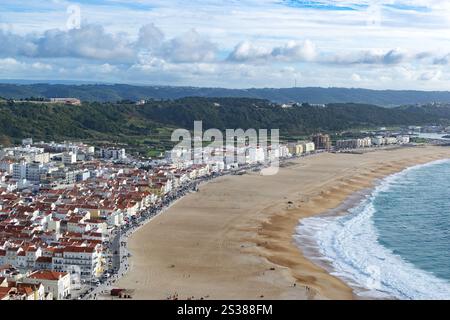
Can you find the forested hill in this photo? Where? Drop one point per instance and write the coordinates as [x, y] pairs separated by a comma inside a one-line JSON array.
[[113, 93], [131, 123]]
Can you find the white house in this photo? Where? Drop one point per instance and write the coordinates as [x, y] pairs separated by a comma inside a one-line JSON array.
[[378, 140], [403, 139], [390, 140], [69, 157], [58, 283], [255, 155], [6, 165], [309, 147], [87, 259]]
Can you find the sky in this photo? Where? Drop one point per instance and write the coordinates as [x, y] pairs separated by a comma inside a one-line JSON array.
[[378, 44]]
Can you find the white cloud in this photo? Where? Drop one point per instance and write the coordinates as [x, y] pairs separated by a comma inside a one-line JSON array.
[[150, 37], [247, 43], [356, 77], [430, 75], [247, 51], [90, 42], [290, 51], [393, 56], [443, 60], [9, 63], [42, 66], [295, 51], [13, 44], [189, 47]]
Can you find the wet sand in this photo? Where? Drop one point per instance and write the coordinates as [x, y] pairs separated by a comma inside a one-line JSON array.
[[234, 238]]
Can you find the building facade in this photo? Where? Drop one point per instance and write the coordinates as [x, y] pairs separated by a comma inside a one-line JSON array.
[[322, 141], [58, 283]]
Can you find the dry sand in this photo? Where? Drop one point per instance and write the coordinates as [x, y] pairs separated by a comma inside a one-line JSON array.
[[233, 238]]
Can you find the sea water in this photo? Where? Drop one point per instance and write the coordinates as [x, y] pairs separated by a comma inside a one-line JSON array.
[[395, 243]]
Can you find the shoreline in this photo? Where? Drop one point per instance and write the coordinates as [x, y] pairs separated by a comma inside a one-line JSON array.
[[306, 240], [309, 250], [354, 206], [353, 199], [254, 256]]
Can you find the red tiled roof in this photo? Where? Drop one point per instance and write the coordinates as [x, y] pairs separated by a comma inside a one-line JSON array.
[[4, 292], [47, 275], [79, 249], [25, 288], [43, 259]]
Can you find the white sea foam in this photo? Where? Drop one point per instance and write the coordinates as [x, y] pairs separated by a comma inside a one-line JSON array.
[[348, 247]]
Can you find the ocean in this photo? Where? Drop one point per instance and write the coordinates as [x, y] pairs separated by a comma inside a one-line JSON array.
[[395, 243]]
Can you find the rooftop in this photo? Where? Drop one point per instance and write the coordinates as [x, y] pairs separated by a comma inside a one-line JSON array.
[[47, 275]]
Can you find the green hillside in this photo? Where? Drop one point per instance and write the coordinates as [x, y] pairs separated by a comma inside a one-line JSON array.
[[151, 124], [116, 92]]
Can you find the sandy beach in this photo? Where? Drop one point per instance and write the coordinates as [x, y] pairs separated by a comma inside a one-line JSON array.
[[233, 238]]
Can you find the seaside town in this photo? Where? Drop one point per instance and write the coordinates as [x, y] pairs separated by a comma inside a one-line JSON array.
[[213, 159], [66, 209]]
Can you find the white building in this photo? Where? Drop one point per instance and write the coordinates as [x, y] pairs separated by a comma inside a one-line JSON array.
[[390, 140], [83, 175], [28, 171], [255, 155], [19, 170], [365, 142], [347, 144], [115, 218], [87, 259], [378, 140], [403, 139], [178, 155], [217, 166], [283, 151], [34, 171], [6, 165], [68, 101], [308, 147], [28, 153], [58, 283], [69, 157], [114, 154], [27, 142]]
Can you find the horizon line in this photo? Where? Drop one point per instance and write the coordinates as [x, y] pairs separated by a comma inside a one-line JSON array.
[[68, 82]]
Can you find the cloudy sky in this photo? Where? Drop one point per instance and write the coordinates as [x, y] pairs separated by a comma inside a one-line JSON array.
[[384, 44]]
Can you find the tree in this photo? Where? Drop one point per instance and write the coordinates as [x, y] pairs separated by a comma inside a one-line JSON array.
[[5, 141]]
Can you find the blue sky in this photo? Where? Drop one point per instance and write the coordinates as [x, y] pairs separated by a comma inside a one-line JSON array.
[[378, 44]]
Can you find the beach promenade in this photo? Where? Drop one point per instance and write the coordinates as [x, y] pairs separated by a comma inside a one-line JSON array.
[[233, 238]]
